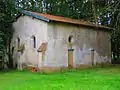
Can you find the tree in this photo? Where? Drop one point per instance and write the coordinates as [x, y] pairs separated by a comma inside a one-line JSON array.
[[7, 9], [114, 8]]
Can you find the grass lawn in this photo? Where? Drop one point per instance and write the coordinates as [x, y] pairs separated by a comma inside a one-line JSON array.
[[107, 78]]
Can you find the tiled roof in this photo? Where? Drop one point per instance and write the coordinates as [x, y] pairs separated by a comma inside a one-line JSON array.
[[48, 18]]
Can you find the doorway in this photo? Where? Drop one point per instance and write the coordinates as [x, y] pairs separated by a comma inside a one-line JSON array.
[[70, 58]]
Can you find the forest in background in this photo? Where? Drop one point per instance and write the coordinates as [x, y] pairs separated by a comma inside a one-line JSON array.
[[103, 12]]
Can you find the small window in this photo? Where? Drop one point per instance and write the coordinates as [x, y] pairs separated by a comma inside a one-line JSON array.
[[12, 50], [70, 38], [33, 41], [18, 42]]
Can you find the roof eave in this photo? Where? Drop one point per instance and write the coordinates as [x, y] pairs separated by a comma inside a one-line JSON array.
[[35, 16], [87, 25]]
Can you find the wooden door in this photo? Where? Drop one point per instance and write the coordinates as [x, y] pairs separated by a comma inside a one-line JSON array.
[[70, 58]]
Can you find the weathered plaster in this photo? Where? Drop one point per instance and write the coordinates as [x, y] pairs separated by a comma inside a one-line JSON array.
[[56, 35], [84, 40], [25, 27]]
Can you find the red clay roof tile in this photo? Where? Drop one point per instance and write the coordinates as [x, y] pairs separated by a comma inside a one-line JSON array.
[[69, 20]]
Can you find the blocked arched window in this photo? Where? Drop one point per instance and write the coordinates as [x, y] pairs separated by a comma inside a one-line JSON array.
[[33, 41], [18, 42]]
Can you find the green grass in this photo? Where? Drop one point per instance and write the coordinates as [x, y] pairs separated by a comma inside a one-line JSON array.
[[107, 78]]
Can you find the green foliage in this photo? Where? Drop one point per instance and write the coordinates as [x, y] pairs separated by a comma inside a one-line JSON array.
[[6, 14], [21, 48], [114, 10]]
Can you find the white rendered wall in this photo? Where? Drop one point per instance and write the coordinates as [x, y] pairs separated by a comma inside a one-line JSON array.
[[25, 27]]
